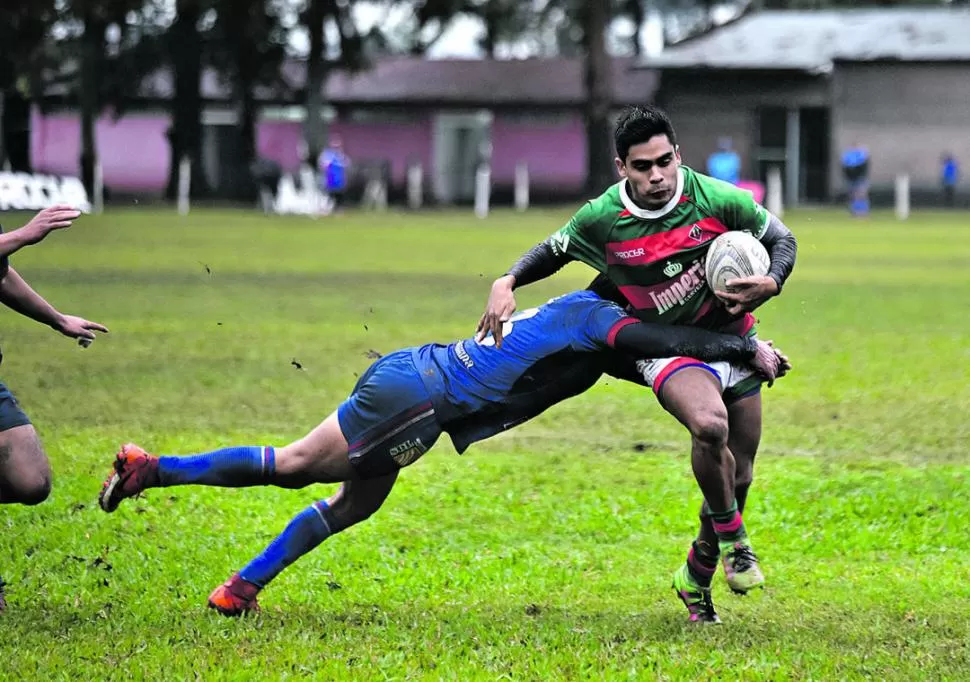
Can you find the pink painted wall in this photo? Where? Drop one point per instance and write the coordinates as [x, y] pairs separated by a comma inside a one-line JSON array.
[[134, 151], [555, 152], [397, 142]]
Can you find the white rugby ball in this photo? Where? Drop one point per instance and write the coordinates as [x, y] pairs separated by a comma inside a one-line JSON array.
[[733, 255]]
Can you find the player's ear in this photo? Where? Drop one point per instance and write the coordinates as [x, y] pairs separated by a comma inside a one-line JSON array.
[[677, 152], [620, 166]]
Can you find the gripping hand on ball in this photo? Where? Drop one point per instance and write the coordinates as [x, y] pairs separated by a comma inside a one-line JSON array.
[[747, 293]]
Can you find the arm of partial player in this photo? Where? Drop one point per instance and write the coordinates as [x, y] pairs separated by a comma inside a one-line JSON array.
[[17, 295], [11, 242]]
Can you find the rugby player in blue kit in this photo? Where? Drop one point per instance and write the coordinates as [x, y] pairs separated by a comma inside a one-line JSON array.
[[405, 400]]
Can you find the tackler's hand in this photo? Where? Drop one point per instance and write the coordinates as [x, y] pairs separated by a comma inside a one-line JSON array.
[[498, 310], [766, 361]]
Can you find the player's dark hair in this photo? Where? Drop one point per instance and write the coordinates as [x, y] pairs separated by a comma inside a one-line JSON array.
[[639, 124]]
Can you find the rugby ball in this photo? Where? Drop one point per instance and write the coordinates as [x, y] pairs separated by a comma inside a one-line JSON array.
[[733, 255]]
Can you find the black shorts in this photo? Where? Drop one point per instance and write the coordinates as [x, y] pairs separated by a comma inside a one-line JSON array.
[[10, 413]]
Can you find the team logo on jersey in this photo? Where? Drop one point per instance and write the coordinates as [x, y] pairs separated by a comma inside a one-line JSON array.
[[696, 233], [673, 269], [682, 289], [629, 253], [408, 451], [560, 242]]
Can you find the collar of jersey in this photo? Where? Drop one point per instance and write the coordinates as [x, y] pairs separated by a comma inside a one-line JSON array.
[[660, 212]]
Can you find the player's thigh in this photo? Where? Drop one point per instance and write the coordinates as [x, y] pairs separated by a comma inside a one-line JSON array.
[[24, 469], [25, 472], [320, 457], [691, 391], [389, 421], [744, 420]]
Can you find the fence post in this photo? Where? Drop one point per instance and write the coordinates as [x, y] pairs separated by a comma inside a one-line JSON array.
[[522, 186], [483, 183], [902, 196], [185, 179], [773, 191]]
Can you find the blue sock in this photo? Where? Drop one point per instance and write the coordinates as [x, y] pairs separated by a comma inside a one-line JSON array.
[[229, 468], [310, 527]]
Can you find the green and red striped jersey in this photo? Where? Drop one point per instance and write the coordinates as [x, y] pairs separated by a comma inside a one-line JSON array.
[[656, 258]]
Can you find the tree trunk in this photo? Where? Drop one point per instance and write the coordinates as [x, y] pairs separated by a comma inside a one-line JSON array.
[[639, 18], [92, 44], [245, 62], [185, 136], [491, 20], [599, 99], [314, 130]]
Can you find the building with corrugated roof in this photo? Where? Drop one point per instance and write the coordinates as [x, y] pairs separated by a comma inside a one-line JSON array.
[[794, 88]]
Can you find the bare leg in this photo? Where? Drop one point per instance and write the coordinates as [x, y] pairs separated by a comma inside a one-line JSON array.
[[354, 502], [744, 418], [25, 472], [318, 457], [693, 396]]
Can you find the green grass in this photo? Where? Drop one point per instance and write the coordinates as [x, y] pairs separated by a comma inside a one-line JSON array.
[[544, 553]]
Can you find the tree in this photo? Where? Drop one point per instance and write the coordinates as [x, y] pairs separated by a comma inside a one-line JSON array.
[[184, 52], [504, 22], [248, 47], [599, 96], [102, 73], [348, 53], [23, 31]]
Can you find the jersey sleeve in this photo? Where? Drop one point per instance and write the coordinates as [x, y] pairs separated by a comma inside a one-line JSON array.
[[579, 239], [600, 324], [740, 211]]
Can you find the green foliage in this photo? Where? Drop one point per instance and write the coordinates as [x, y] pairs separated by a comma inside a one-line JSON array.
[[545, 553]]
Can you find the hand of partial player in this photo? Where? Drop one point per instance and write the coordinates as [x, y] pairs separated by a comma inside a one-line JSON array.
[[79, 328], [747, 293], [498, 310], [53, 218]]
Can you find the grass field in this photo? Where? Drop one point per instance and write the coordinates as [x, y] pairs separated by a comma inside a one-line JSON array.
[[544, 553]]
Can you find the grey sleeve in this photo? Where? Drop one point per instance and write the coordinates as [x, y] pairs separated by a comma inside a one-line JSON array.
[[537, 263], [782, 249], [647, 339]]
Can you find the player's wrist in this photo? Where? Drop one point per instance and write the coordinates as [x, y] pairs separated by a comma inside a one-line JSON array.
[[776, 278], [506, 281], [750, 346], [57, 321]]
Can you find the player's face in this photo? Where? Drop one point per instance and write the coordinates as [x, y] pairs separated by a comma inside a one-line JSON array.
[[651, 172]]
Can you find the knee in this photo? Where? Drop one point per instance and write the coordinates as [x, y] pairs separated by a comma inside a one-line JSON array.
[[30, 492], [348, 509], [710, 428]]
